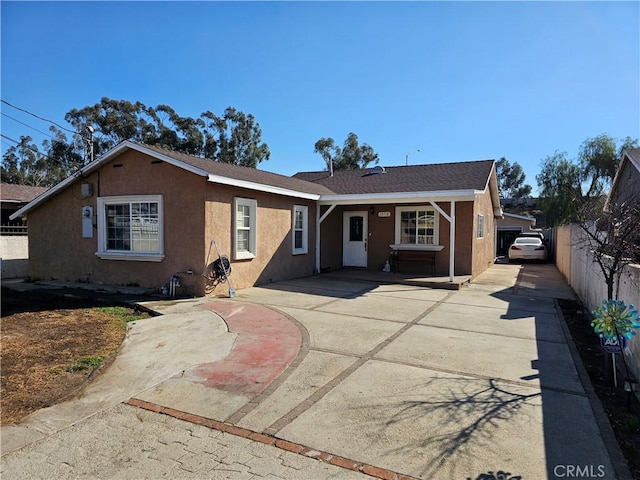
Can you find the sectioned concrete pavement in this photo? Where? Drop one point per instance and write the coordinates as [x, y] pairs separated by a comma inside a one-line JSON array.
[[327, 378]]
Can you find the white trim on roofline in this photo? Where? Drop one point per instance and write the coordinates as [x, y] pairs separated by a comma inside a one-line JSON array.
[[261, 187], [521, 217], [129, 145], [337, 199], [49, 193], [400, 197], [97, 163], [152, 153]]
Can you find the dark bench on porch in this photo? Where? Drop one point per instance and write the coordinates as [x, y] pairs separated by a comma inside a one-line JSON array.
[[415, 257]]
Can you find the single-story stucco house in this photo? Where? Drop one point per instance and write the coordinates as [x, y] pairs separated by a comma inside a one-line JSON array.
[[139, 215]]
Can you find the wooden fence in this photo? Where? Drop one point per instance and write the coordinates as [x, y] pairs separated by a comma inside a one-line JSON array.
[[577, 264]]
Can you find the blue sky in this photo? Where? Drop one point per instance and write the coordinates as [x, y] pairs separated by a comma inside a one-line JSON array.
[[456, 80]]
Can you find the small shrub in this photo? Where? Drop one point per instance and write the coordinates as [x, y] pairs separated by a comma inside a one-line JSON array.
[[85, 363]]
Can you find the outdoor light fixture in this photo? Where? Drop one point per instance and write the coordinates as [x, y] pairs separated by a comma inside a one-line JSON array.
[[372, 210]]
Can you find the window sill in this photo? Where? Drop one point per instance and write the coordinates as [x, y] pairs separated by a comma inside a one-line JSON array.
[[424, 248], [244, 256], [300, 252], [133, 257]]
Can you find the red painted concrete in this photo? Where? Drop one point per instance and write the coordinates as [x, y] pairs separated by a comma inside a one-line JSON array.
[[267, 343]]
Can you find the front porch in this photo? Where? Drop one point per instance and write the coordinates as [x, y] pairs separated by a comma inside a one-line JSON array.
[[416, 280]]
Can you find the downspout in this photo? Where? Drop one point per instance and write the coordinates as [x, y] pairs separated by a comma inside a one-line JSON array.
[[319, 220]]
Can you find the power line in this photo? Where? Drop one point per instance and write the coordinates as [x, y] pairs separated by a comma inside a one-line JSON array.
[[40, 118], [33, 149], [25, 124]]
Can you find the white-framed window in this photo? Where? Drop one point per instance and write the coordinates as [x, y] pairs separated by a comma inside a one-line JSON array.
[[480, 226], [416, 226], [131, 228], [300, 229], [245, 212]]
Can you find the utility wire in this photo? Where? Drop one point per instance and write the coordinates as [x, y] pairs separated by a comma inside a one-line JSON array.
[[25, 124], [33, 149], [39, 117]]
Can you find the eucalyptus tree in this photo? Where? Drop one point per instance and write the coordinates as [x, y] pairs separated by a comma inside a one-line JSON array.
[[23, 164], [569, 188], [511, 179], [233, 137], [351, 156]]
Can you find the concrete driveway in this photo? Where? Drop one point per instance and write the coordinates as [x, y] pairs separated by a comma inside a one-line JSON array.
[[399, 379]]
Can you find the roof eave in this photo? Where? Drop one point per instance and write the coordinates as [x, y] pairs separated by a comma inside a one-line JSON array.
[[261, 187], [521, 217], [492, 185], [399, 197], [97, 163]]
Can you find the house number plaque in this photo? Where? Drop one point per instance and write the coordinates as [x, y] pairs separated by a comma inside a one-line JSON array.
[[384, 214]]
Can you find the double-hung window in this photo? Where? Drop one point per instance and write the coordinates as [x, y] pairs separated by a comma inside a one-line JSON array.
[[130, 228], [300, 229], [416, 226], [245, 210]]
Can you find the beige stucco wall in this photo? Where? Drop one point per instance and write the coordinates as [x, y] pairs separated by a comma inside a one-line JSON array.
[[507, 222], [382, 234], [483, 248], [275, 260], [58, 251], [14, 256]]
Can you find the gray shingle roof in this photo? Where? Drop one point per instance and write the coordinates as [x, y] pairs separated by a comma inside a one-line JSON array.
[[472, 175], [443, 177], [245, 173]]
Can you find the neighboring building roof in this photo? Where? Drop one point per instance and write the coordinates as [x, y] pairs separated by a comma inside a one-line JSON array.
[[634, 156], [630, 158], [520, 217], [12, 193], [414, 178]]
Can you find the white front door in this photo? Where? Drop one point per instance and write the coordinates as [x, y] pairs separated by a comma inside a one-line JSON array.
[[354, 244]]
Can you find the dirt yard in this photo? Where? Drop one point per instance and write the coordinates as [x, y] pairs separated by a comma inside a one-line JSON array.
[[51, 344]]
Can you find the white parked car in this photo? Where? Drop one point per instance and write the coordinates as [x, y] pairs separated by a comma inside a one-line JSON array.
[[527, 248]]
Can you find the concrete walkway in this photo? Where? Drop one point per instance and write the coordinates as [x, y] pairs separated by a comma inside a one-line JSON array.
[[396, 381]]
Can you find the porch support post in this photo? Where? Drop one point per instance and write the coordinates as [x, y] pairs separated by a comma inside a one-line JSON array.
[[451, 218], [319, 220], [452, 241]]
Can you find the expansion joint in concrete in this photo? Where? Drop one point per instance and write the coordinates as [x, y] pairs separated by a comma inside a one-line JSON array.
[[338, 379]]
